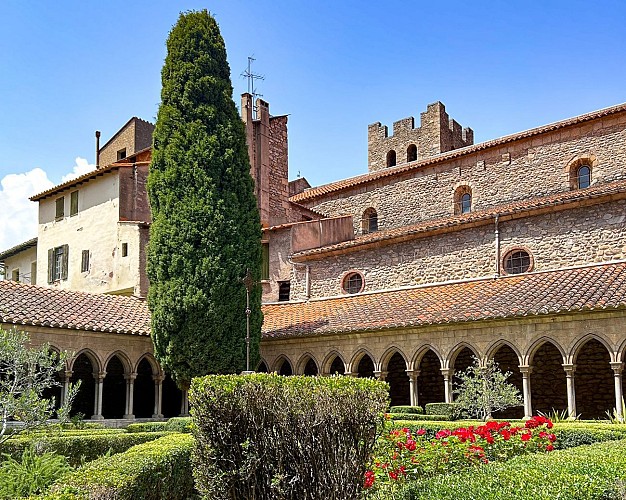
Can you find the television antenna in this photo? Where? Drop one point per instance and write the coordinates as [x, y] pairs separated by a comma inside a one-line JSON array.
[[251, 76]]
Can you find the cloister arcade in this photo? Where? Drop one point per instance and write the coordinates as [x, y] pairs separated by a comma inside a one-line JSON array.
[[585, 381]]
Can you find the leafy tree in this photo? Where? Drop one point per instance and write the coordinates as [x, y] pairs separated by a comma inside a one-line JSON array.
[[25, 373], [484, 389], [205, 228]]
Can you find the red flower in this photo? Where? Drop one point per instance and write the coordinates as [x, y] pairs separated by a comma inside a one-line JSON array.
[[370, 477], [549, 447], [526, 436], [506, 435], [443, 433], [421, 432], [393, 475], [551, 438], [410, 445]]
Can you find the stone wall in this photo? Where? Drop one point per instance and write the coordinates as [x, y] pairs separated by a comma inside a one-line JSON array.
[[134, 136], [518, 170], [134, 204], [568, 238]]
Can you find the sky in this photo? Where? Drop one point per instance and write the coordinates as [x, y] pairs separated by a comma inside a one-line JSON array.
[[70, 67]]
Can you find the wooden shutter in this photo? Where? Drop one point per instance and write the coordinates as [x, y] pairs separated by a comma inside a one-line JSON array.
[[66, 251], [51, 265], [74, 203]]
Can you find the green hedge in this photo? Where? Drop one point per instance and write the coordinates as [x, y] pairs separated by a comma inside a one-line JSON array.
[[146, 427], [417, 410], [585, 473], [79, 448], [160, 469], [451, 410], [174, 424]]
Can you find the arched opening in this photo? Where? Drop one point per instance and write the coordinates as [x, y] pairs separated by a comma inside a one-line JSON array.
[[143, 393], [83, 370], [411, 153], [399, 390], [463, 200], [172, 398], [594, 381], [54, 392], [430, 381], [114, 390], [547, 380], [391, 158], [285, 368], [369, 221], [310, 368], [464, 359], [508, 361], [365, 367], [262, 368], [337, 366]]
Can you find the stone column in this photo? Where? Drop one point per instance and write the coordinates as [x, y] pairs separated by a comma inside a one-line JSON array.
[[158, 395], [448, 373], [571, 391], [351, 374], [413, 387], [617, 373], [528, 405], [380, 375], [130, 392], [66, 377], [97, 407], [184, 404]]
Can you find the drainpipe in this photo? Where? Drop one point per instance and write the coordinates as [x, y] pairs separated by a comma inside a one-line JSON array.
[[97, 148], [307, 275], [497, 234]]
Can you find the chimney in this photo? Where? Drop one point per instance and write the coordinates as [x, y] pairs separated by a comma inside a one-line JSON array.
[[97, 149]]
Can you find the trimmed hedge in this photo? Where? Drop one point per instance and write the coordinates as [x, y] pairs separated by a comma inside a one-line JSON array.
[[79, 448], [417, 410], [160, 469], [450, 410], [146, 427], [584, 473], [174, 424]]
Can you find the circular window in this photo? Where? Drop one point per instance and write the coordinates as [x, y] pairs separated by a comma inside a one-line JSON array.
[[353, 283], [517, 262]]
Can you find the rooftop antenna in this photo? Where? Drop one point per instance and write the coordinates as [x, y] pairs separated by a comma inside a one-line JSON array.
[[251, 77]]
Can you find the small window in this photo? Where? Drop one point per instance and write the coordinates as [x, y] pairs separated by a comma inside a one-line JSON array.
[[463, 200], [59, 208], [466, 203], [121, 154], [353, 283], [411, 153], [124, 249], [265, 261], [369, 221], [284, 288], [58, 258], [517, 262], [84, 262], [583, 177], [391, 158], [15, 275], [73, 203]]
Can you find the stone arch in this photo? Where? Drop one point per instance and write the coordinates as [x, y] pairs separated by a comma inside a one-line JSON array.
[[333, 363], [573, 166], [358, 356], [547, 379], [363, 364], [580, 342], [411, 153], [430, 383], [262, 367], [593, 378], [54, 392], [495, 346], [124, 359], [463, 200], [307, 365], [508, 359], [369, 221], [460, 358], [114, 386], [395, 364], [172, 397], [391, 159], [154, 364], [85, 366], [143, 388], [283, 366]]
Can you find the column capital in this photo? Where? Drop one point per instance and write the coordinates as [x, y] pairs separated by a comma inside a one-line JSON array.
[[130, 376], [525, 369], [67, 374], [380, 374], [100, 376], [447, 372], [413, 373], [617, 367], [351, 374], [570, 369], [158, 379]]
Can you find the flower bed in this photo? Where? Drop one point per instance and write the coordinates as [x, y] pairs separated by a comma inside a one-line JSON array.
[[405, 456]]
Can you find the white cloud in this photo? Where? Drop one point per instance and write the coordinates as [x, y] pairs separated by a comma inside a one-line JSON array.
[[18, 222]]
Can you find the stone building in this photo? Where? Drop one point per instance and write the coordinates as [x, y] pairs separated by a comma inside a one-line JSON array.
[[445, 250]]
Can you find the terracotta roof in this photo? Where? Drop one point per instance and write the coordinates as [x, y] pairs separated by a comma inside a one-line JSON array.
[[592, 195], [595, 287], [23, 304], [18, 248], [77, 180], [391, 172]]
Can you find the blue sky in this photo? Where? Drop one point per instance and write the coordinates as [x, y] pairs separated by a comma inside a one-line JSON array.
[[68, 68]]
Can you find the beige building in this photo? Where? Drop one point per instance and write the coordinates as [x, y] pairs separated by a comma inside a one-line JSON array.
[[19, 263]]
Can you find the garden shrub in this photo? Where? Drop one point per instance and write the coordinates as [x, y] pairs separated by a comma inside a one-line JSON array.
[[594, 472], [451, 410], [418, 410], [160, 469], [79, 448], [405, 416], [146, 427], [265, 436], [179, 424]]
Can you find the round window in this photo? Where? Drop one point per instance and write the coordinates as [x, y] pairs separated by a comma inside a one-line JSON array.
[[517, 262], [353, 283]]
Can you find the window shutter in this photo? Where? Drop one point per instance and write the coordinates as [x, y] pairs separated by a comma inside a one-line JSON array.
[[265, 263], [51, 265], [66, 251]]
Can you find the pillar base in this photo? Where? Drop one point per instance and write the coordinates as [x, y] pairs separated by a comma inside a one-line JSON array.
[[129, 417], [97, 417], [159, 415]]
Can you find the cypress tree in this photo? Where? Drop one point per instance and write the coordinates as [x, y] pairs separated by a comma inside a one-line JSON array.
[[205, 229]]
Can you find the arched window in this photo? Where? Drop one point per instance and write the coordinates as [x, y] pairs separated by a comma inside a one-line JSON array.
[[583, 177], [369, 221], [517, 261], [353, 283], [463, 200], [391, 158], [411, 153]]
